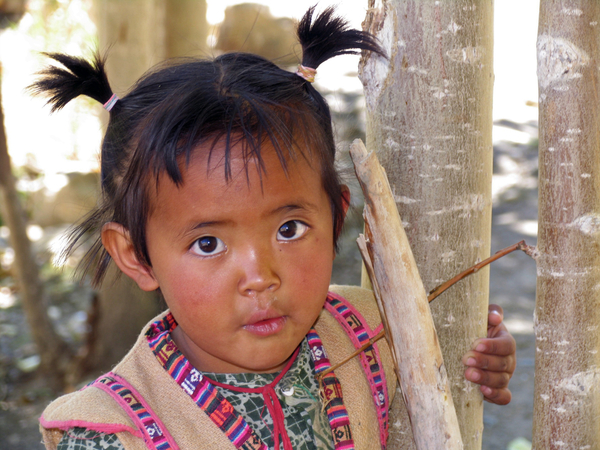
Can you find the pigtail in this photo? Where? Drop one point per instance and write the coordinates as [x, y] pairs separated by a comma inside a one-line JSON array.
[[329, 36], [77, 77]]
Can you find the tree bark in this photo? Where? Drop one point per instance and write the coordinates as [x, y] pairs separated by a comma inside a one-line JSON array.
[[405, 311], [567, 313], [55, 355], [429, 118]]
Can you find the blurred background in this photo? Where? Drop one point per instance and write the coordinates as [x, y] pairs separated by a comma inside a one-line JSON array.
[[55, 162]]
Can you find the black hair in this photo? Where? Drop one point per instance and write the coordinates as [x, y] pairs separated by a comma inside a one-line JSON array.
[[238, 98]]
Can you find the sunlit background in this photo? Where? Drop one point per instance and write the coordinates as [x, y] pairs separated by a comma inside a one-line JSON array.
[[69, 141]]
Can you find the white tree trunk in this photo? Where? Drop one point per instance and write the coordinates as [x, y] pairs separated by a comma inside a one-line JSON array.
[[429, 118], [133, 34], [567, 313]]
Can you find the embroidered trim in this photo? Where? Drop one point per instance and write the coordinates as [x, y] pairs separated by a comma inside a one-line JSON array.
[[139, 411], [359, 333], [332, 395], [66, 425], [199, 388]]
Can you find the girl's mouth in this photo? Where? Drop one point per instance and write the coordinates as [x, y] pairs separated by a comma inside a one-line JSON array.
[[266, 327]]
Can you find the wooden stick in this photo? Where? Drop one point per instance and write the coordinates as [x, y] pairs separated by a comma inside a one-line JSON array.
[[405, 310]]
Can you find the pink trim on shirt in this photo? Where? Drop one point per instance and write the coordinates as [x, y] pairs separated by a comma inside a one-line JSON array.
[[381, 409], [125, 406], [107, 428]]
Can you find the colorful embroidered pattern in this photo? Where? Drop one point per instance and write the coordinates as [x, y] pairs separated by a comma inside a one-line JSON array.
[[360, 334], [199, 388], [332, 395], [153, 434]]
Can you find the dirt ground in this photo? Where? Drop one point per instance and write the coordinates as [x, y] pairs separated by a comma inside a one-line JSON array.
[[512, 285]]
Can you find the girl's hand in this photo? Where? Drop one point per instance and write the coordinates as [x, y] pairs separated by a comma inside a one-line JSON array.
[[492, 360]]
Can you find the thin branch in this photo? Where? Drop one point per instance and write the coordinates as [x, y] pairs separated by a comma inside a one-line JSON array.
[[518, 246], [356, 353], [528, 249]]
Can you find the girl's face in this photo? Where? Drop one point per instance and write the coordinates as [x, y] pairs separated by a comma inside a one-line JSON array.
[[243, 265]]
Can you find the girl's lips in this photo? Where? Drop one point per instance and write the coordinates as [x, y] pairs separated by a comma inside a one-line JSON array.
[[266, 327]]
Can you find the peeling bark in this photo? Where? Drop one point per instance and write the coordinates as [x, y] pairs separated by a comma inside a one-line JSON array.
[[567, 313], [429, 120]]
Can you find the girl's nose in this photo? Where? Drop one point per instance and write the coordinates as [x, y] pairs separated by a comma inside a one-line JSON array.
[[258, 272]]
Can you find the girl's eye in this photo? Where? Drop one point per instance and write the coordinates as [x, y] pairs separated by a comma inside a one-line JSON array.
[[289, 231], [208, 246]]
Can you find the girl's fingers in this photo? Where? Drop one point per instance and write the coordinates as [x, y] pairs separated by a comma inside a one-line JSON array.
[[487, 378], [490, 362], [495, 315], [497, 396], [502, 344]]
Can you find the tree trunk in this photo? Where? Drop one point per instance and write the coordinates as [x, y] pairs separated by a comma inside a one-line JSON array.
[[141, 33], [54, 353], [186, 28], [138, 34], [429, 118], [567, 313], [133, 33]]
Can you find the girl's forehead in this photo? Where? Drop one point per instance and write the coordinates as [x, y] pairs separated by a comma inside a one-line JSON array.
[[239, 161], [252, 189], [236, 170]]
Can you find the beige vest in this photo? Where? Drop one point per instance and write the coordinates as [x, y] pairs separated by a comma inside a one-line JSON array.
[[191, 427]]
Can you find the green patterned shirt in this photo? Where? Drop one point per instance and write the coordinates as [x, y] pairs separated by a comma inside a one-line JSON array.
[[84, 439]]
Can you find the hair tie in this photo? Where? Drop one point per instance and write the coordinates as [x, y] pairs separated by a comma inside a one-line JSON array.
[[111, 102], [308, 73]]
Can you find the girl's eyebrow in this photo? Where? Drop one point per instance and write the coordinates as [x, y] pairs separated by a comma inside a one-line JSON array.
[[198, 226], [306, 206], [303, 206]]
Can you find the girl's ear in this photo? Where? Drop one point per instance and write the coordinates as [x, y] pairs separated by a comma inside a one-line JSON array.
[[117, 242]]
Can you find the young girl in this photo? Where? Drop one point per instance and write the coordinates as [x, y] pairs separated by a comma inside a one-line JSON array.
[[219, 189]]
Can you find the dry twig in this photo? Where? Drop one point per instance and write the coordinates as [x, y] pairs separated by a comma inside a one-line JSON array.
[[528, 249]]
